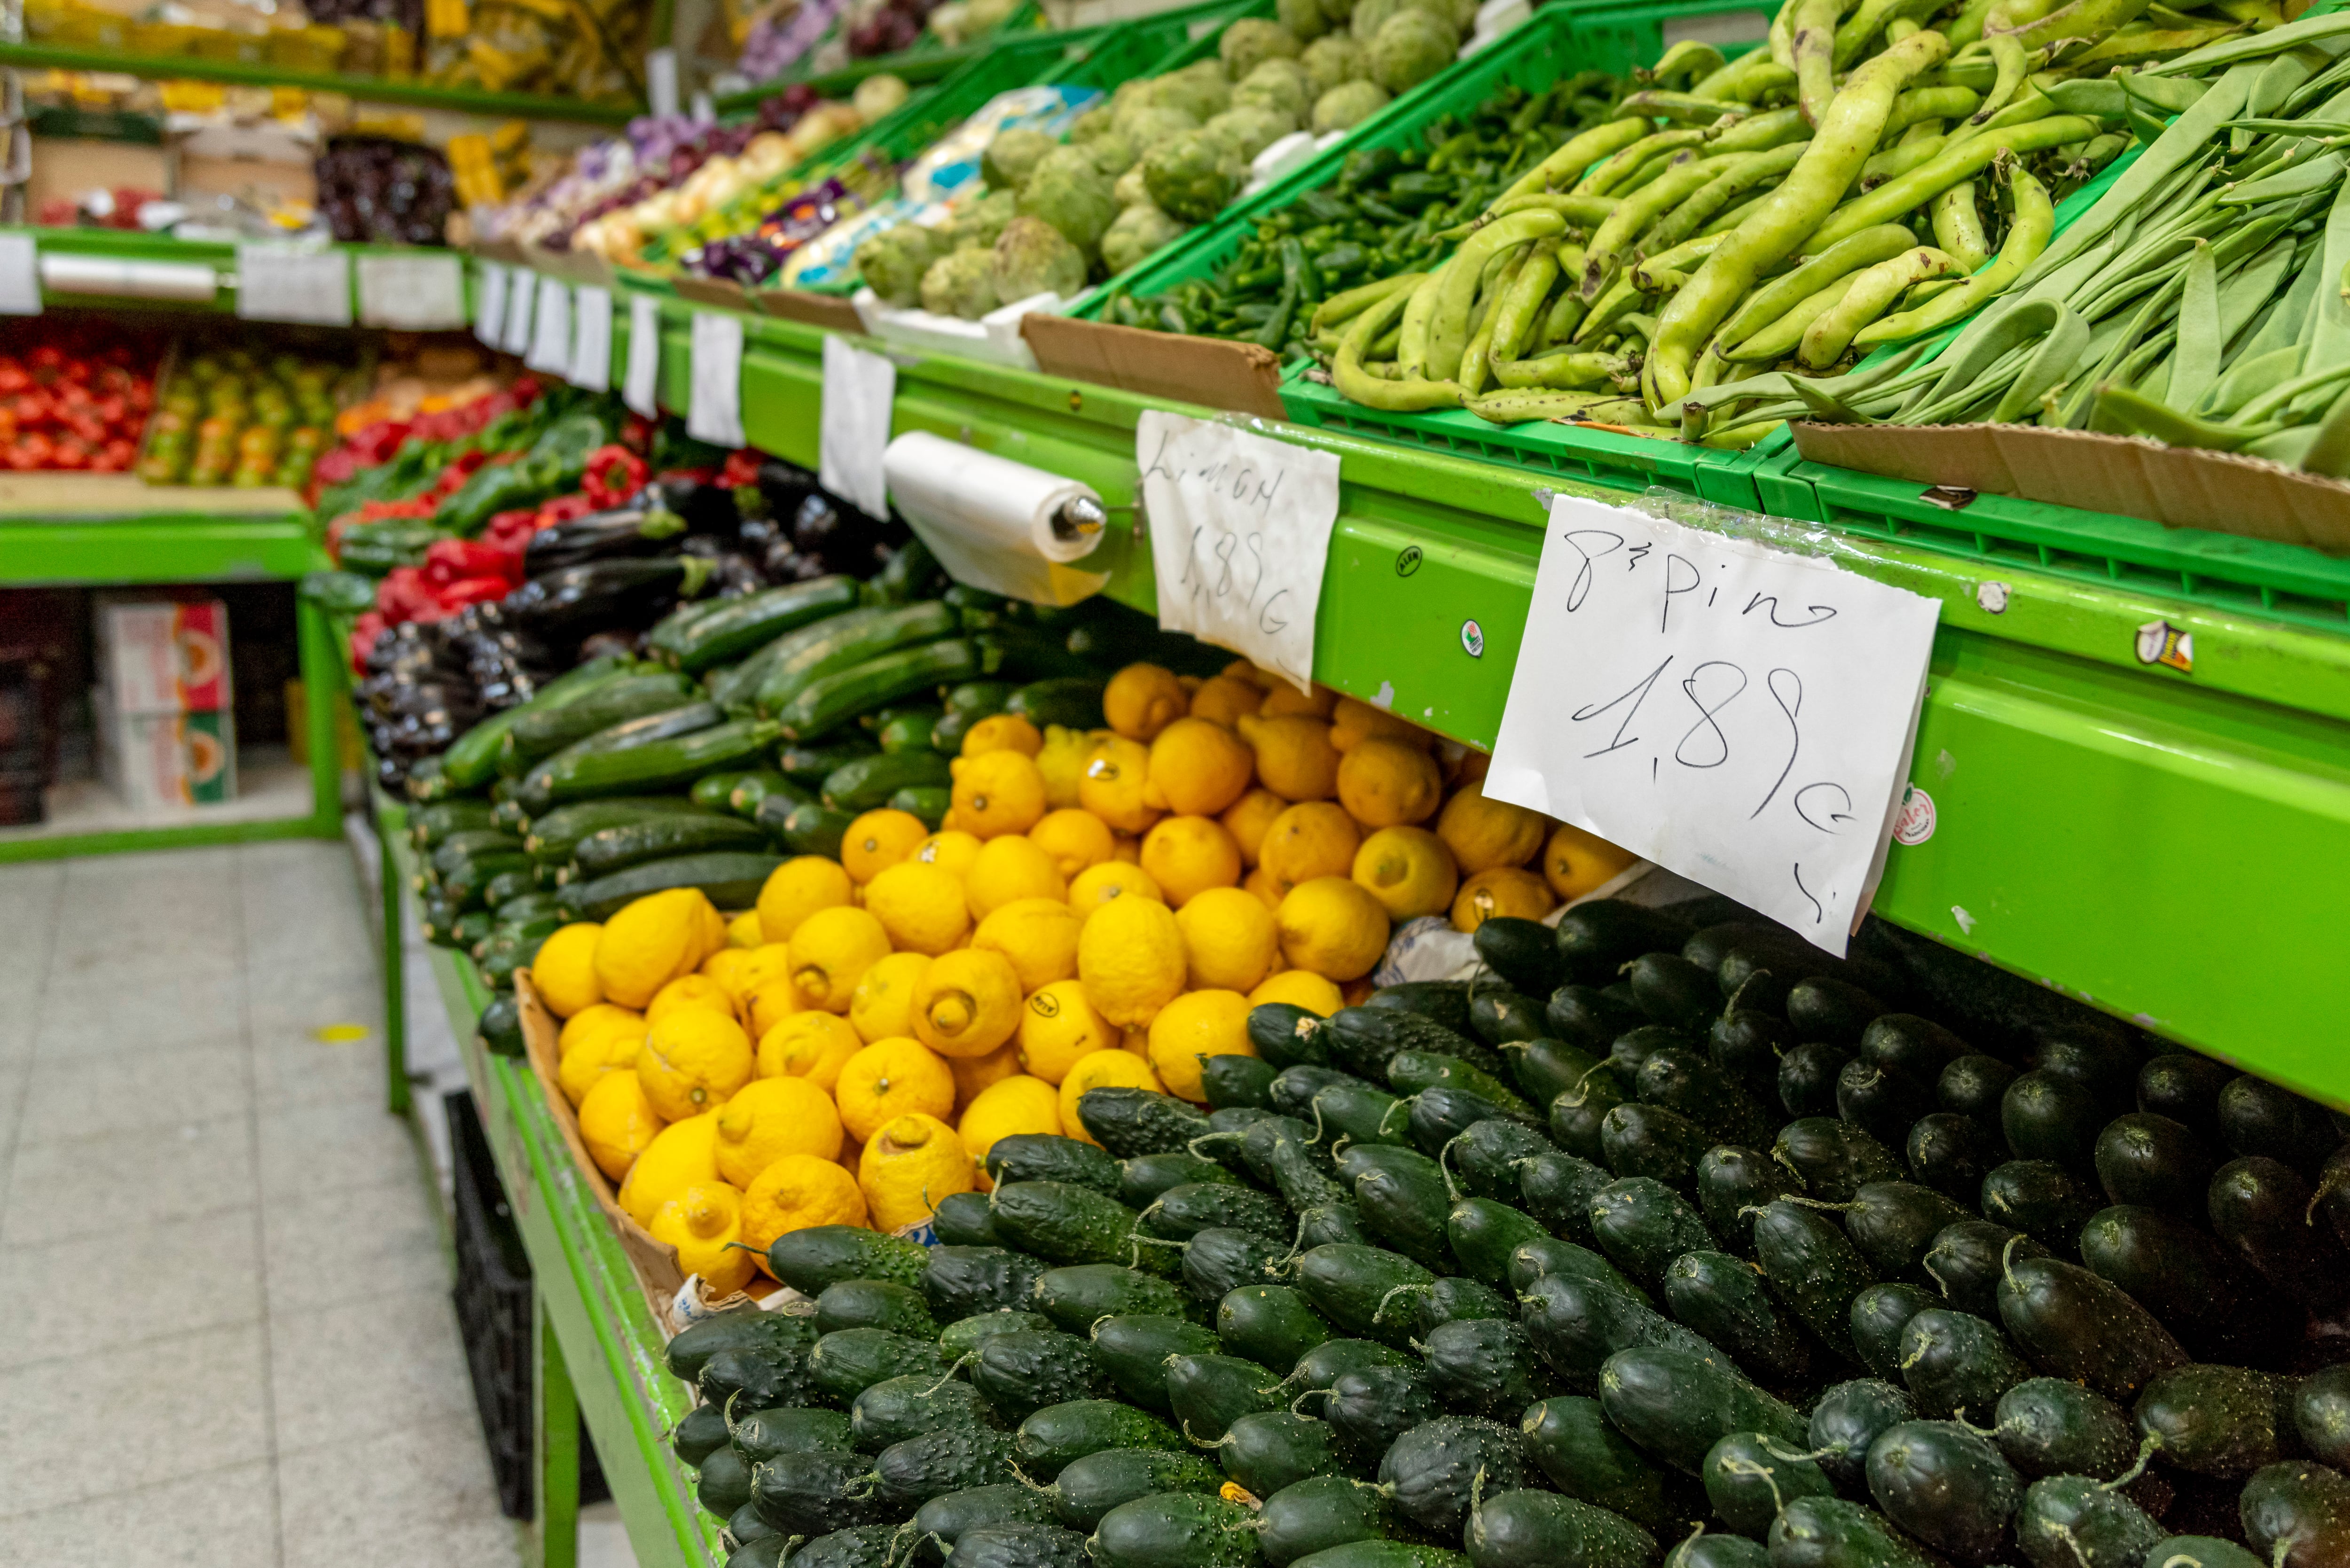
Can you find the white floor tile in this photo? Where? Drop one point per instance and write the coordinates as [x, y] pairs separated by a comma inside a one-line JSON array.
[[221, 1519], [90, 1293], [322, 1249], [421, 1493], [127, 1092], [103, 1014], [367, 1366], [326, 1148], [96, 1185]]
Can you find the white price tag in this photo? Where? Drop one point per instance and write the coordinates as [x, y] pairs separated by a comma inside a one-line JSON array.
[[489, 304], [412, 293], [642, 391], [20, 275], [591, 339], [280, 283], [661, 81], [853, 425], [550, 335], [1736, 713], [713, 411], [1240, 532], [522, 302]]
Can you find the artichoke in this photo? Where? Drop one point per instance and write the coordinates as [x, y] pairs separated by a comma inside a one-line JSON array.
[[1251, 41], [1070, 193], [979, 223], [892, 263], [1340, 12], [1137, 232], [1031, 258], [1096, 121], [1304, 19], [1130, 190], [1198, 94], [1333, 62], [1192, 176], [1412, 45], [1280, 85], [962, 284], [1347, 106], [1147, 124], [1011, 156], [1114, 153], [1251, 128]]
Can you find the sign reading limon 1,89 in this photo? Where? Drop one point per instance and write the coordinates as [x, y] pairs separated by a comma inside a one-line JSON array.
[[1738, 713]]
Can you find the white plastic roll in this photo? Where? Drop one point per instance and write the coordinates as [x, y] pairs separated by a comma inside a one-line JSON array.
[[995, 524], [194, 282]]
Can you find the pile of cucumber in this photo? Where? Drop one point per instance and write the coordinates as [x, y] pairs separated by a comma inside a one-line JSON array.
[[1661, 1241]]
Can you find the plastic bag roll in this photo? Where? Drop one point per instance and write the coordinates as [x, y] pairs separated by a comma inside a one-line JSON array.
[[194, 282], [985, 501]]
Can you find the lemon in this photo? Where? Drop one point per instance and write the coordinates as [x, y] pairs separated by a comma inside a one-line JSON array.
[[1247, 818], [1282, 700], [1225, 699], [745, 930], [1111, 786], [1241, 670], [1063, 765], [616, 1123], [585, 1064], [967, 1003], [1039, 936], [950, 850], [811, 1045], [1258, 883], [1299, 988], [1353, 723], [769, 1119], [724, 968], [798, 888], [1186, 856], [1387, 784], [997, 793], [652, 941], [1409, 870], [1576, 863], [598, 1021], [1002, 732], [1313, 839], [883, 1003], [692, 1060], [1501, 890], [680, 1154], [1229, 939], [1006, 1109], [1058, 1026], [973, 1075], [912, 1162], [1142, 700], [563, 971], [767, 1004], [1098, 885], [1131, 957], [1102, 1070], [795, 1192], [1332, 927], [831, 950], [888, 1079], [921, 907], [1483, 834], [1074, 838], [768, 961], [703, 1223], [1198, 768], [1294, 758], [1010, 867], [1195, 1025], [689, 990], [878, 840]]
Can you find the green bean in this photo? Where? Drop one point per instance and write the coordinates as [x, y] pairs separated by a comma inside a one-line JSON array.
[[1760, 132], [1958, 225], [2195, 364], [2330, 341], [1778, 338], [2329, 448], [2322, 174], [1635, 213], [2137, 414], [1746, 172], [2248, 377], [1918, 187], [2259, 409], [1583, 212], [1412, 350], [1561, 371], [1576, 154], [2259, 46], [1901, 157], [1815, 23], [1518, 408], [1618, 300], [1872, 18], [2067, 341], [1871, 292], [1345, 306], [1448, 323], [1687, 107], [2027, 237], [1691, 58], [1930, 103], [1748, 78], [1483, 319], [1782, 37], [1620, 166], [1776, 297], [1526, 292], [1346, 372], [1679, 258]]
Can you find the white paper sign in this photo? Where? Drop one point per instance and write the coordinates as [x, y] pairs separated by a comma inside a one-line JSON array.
[[550, 335], [20, 275], [1240, 532], [522, 301], [412, 293], [642, 391], [713, 411], [661, 82], [591, 339], [1736, 713], [489, 304], [853, 426], [278, 284]]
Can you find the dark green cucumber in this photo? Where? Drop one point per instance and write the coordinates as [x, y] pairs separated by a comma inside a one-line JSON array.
[[702, 1432], [959, 1280], [2224, 1421], [1351, 1286], [1880, 1313], [730, 879], [1949, 1153], [1490, 1156], [2072, 1521], [1409, 1071], [2321, 1414], [807, 1492], [1177, 1529], [1386, 1554], [746, 1328], [1351, 1110], [1814, 1268], [1054, 1436], [1748, 1477], [874, 1304], [1649, 1140], [1807, 1077], [1644, 1225], [1732, 1180], [1544, 1069], [1146, 1177], [945, 1460], [1483, 1235], [1022, 1372], [1073, 702], [1524, 952], [829, 648], [1588, 1017], [1485, 1367], [850, 1360], [1558, 1188], [2050, 1425], [1019, 1546], [1364, 1040], [867, 784], [860, 1546], [1528, 1528], [1078, 1296], [1207, 1393], [741, 626], [1721, 1300], [1320, 1368], [2263, 1208], [1570, 1438], [1088, 1487], [1956, 1364], [2185, 1085], [2297, 1515], [1747, 1045], [2048, 1117], [2154, 1162], [1881, 1100], [2258, 1117], [1975, 1086], [1630, 1050], [1535, 1260], [1825, 1008], [1048, 1157], [1319, 1514], [2177, 1270], [1062, 1222], [1680, 1078], [829, 701], [578, 773], [896, 1408], [1287, 1035], [1404, 1199], [1672, 990], [1832, 1532], [1576, 1325], [1847, 1422], [1330, 1224], [2038, 1197], [1905, 1041], [1576, 1115], [965, 1335], [1832, 1159], [1445, 1000], [965, 1220], [1221, 1260], [1183, 1211], [1717, 1549], [724, 1484], [500, 1026], [1270, 1325], [1456, 1299], [758, 1380], [1234, 1079], [2199, 1551], [1966, 1260], [1438, 1467], [762, 1434], [2071, 1323], [1294, 1087], [541, 732], [1500, 1017], [1132, 1352], [1128, 1122], [1894, 1224], [1267, 1451], [618, 847], [1370, 1406], [821, 1255]]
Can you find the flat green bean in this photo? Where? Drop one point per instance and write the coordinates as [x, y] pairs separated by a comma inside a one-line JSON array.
[[1814, 40], [1776, 339], [2257, 46], [1749, 170], [1353, 382], [1635, 213], [1959, 228], [2195, 364], [2027, 235], [1580, 150], [1920, 185], [2329, 448], [1869, 295], [1778, 297], [1448, 322]]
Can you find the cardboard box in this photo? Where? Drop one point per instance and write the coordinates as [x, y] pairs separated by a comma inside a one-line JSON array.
[[1208, 371], [164, 656], [832, 312], [161, 759]]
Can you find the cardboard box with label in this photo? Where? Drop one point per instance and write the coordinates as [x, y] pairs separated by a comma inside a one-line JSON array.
[[154, 760], [164, 656]]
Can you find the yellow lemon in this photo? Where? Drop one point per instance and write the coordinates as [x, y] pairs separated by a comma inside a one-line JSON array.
[[797, 1191], [616, 1123], [652, 941], [680, 1154], [1352, 722], [766, 961], [1576, 863], [689, 990], [1226, 700], [1005, 1108], [1294, 758], [1186, 856], [1247, 818], [997, 793], [1387, 784], [1058, 1025], [692, 1060], [1142, 700], [891, 1078], [724, 968], [1483, 834], [967, 1003], [974, 1075], [1196, 1024], [912, 1162], [811, 1045], [1038, 935], [564, 970], [1116, 772], [586, 1064], [1102, 1070], [1281, 698], [883, 1004], [599, 1020], [771, 1002], [1260, 883], [950, 850], [1409, 870], [1228, 939], [1011, 867], [1131, 957], [831, 950], [798, 888], [921, 907], [1198, 768], [878, 840], [1002, 732], [1098, 885], [703, 1223], [1241, 670], [745, 930], [1300, 988], [769, 1119], [1501, 890], [1313, 839], [1074, 838], [1063, 765], [1332, 927]]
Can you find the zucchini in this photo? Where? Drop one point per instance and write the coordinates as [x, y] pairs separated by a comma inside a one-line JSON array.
[[1072, 701], [1220, 1261], [821, 1255], [1054, 1436], [2297, 1515], [428, 825], [1814, 1268], [1527, 1529], [843, 643], [1748, 1477], [468, 886], [1271, 1449], [1208, 1392], [1577, 1324], [1023, 1372], [2223, 1421], [1132, 1352], [1721, 1300], [586, 771], [2068, 1520], [1177, 1529], [1090, 1486], [1967, 1259], [1587, 1458], [1438, 1466], [1847, 1422], [1064, 1224], [874, 1304], [611, 849], [2074, 1324], [1078, 1296], [1644, 1225], [735, 687], [1832, 1532], [1954, 1362], [830, 702], [749, 790], [2052, 1426], [1272, 1325], [458, 848], [471, 760], [896, 1408], [1880, 1313], [868, 782], [1319, 1514], [807, 765], [804, 826], [730, 879], [542, 732], [508, 888], [553, 837], [734, 628], [928, 805], [934, 1463], [958, 1281], [1485, 1367], [909, 730]]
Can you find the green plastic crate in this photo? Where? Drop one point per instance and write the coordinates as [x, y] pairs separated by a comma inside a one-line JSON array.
[[926, 60]]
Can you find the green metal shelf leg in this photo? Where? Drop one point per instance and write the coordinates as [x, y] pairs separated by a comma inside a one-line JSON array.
[[395, 980], [322, 687], [555, 1448]]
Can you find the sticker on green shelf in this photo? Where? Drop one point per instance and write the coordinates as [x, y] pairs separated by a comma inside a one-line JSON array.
[[1914, 823], [591, 339], [2159, 642], [1992, 598], [1407, 560], [1473, 640]]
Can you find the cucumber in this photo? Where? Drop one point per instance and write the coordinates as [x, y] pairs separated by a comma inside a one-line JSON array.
[[1544, 1069], [1207, 1393], [1748, 1477], [730, 878], [1054, 1436], [806, 1492], [1816, 1269], [1975, 1086], [1832, 1160], [1287, 1036], [2040, 1198], [1483, 1235], [1411, 1072], [1072, 701], [701, 1432], [1708, 1549], [1673, 992], [2199, 1551], [1490, 1156], [1404, 1203], [1880, 1313], [1350, 1284], [2153, 1161], [1370, 1406], [1386, 1554], [1183, 1211], [2224, 1421], [907, 728], [750, 791], [1329, 1224], [1906, 1042], [1680, 1078], [1131, 1350], [1292, 1167], [874, 1304], [2185, 1086], [820, 1255], [1956, 1364], [1444, 1001], [1832, 1532], [1576, 1325], [1023, 1372], [850, 1360], [2177, 1270], [965, 1335], [1807, 1078], [1599, 936], [1271, 1449], [1019, 1546], [1880, 1100], [1090, 1486], [830, 648], [1532, 1261], [1524, 953], [1587, 1458], [1077, 1297], [807, 766], [749, 1329], [2049, 1426], [2071, 1323], [1543, 1530], [738, 627], [977, 699], [1232, 1079], [1458, 1300], [618, 847], [965, 1220], [577, 773], [1894, 1224], [2258, 1117], [1319, 1514], [1364, 1040], [1747, 1045], [1576, 1115], [1048, 1157], [1221, 1260], [2072, 1521], [867, 782], [2045, 1117], [1437, 1467], [2297, 1515], [1721, 1300], [1345, 1106], [1732, 1180], [806, 827], [1825, 1008], [500, 1027], [1649, 1140], [2261, 1208], [1949, 1153], [1588, 1018], [1128, 1122], [860, 1546], [1064, 1224], [540, 732], [1644, 1225], [933, 1463], [725, 1482], [1556, 1188], [429, 825], [760, 1435], [1177, 1529], [1485, 1367], [1499, 1017], [1847, 1421], [1143, 1179], [896, 1408], [832, 701], [1273, 1325], [1438, 1115], [958, 1281], [2321, 1414]]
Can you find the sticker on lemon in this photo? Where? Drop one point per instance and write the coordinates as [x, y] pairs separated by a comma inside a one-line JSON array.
[[680, 1155], [997, 793], [1038, 936], [891, 1078], [1102, 1070], [564, 970], [1332, 927], [967, 1003], [1116, 773], [921, 907], [1230, 940], [703, 1223], [692, 1060], [1015, 1106], [1503, 890], [1196, 1025], [952, 850], [1059, 1028], [1409, 870], [769, 1119], [883, 1004], [797, 1191], [811, 1045], [911, 1163], [1131, 958]]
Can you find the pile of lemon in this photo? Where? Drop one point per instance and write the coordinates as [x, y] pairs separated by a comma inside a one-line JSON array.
[[1097, 909]]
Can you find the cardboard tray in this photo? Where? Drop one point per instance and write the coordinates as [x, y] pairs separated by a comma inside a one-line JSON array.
[[1209, 371]]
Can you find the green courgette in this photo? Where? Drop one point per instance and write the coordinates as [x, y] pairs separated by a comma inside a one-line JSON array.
[[854, 642], [471, 760], [1071, 702], [428, 824], [730, 878], [543, 732], [584, 772], [867, 782], [552, 837], [830, 702], [734, 628], [611, 849], [928, 805]]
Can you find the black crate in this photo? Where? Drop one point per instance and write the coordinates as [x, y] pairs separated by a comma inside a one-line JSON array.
[[492, 1297]]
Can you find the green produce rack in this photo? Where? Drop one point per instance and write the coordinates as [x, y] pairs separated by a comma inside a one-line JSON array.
[[130, 245]]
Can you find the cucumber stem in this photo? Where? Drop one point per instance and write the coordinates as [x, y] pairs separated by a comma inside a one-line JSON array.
[[2145, 1455], [1679, 1555], [965, 1360], [2007, 1272], [1735, 1466], [1444, 1167]]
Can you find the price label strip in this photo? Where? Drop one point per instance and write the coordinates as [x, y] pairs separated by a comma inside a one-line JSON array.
[[522, 299], [550, 335], [853, 425], [1736, 713], [20, 275], [591, 339], [279, 283], [1240, 534], [489, 304], [412, 293], [714, 413], [642, 391]]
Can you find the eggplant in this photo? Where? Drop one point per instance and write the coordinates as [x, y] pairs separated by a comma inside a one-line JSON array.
[[626, 531], [579, 600]]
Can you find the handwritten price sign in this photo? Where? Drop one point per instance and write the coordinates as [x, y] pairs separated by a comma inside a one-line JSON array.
[[1240, 532], [1737, 714]]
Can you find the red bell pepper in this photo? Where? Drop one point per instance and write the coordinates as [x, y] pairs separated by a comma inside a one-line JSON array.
[[741, 467], [363, 631], [405, 596], [614, 474], [562, 509], [466, 591], [449, 561]]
